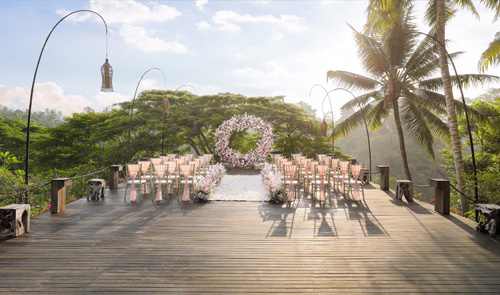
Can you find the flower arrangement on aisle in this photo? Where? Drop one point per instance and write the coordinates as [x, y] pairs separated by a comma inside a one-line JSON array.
[[205, 186], [273, 183], [239, 123]]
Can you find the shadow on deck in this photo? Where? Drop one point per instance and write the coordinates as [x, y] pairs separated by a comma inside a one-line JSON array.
[[383, 245]]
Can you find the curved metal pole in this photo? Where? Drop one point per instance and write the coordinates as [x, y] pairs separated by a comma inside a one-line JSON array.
[[476, 192], [132, 110], [366, 127], [26, 170], [322, 109], [165, 116]]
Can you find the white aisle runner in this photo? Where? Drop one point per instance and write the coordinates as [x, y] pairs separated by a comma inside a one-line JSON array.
[[240, 188]]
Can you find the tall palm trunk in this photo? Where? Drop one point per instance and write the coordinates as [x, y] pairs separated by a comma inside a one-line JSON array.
[[450, 104], [402, 148]]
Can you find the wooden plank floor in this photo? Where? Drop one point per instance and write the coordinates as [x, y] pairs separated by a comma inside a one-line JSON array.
[[382, 246]]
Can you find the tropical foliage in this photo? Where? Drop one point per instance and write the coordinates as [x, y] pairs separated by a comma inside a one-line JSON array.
[[397, 61]]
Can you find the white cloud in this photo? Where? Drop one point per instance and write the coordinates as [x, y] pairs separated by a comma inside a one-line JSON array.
[[46, 95], [200, 4], [276, 36], [129, 12], [203, 25], [269, 75], [52, 96], [261, 2], [141, 39], [148, 84], [226, 20]]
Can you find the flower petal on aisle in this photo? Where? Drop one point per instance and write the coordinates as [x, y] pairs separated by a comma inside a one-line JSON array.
[[240, 188]]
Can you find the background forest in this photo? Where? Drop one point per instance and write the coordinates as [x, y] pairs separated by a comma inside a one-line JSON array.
[[91, 141]]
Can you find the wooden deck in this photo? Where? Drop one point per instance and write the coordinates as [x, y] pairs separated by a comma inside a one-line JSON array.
[[383, 246]]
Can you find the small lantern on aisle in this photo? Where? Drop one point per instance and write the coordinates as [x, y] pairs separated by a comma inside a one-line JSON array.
[[107, 77]]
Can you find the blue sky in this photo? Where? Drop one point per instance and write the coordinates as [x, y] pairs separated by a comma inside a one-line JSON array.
[[255, 48]]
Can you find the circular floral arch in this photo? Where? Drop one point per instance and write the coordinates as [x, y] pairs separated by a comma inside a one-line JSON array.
[[239, 123]]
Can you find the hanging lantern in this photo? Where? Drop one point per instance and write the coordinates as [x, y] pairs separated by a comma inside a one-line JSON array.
[[389, 93], [323, 128], [166, 104], [310, 127], [107, 77]]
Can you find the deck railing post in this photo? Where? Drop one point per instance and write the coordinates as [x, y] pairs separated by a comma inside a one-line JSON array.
[[384, 177], [113, 176], [442, 195], [58, 194]]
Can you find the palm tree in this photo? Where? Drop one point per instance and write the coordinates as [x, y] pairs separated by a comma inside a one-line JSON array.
[[437, 13], [400, 71], [491, 56]]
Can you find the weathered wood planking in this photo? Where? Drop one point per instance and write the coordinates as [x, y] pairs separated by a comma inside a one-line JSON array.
[[383, 246]]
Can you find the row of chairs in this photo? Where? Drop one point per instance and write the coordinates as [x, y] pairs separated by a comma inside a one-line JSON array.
[[165, 173], [319, 176]]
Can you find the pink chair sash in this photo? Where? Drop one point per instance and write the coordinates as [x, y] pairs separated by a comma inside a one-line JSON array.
[[343, 169], [322, 169], [144, 170], [356, 169], [133, 169], [186, 170], [160, 172], [290, 172], [171, 165]]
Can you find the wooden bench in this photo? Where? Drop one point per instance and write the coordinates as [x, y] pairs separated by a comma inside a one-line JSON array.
[[95, 189], [14, 219], [404, 188], [492, 214]]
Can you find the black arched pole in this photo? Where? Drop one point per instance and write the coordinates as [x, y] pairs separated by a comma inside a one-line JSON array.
[[476, 192], [165, 115], [331, 111], [364, 120], [132, 109], [26, 170]]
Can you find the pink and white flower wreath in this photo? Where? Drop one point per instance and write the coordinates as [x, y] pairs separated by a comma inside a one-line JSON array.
[[239, 123]]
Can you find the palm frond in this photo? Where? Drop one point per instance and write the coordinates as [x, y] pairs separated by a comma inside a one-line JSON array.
[[436, 124], [467, 80], [399, 40], [378, 114], [431, 100], [491, 56], [431, 13], [371, 54], [352, 80], [359, 101], [382, 13], [493, 5], [350, 124], [467, 4], [423, 53], [416, 126]]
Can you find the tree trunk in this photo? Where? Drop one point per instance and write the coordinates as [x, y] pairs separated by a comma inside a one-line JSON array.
[[193, 145], [450, 104], [402, 148], [206, 143], [202, 145]]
